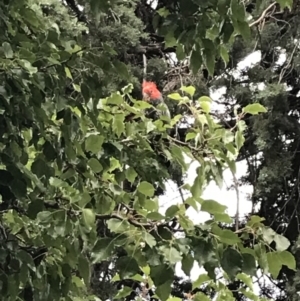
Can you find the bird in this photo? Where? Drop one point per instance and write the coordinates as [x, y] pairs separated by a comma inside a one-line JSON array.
[[152, 95]]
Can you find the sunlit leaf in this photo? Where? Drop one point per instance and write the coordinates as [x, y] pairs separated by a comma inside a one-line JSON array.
[[146, 188], [88, 217], [282, 243], [93, 143], [189, 90], [254, 109]]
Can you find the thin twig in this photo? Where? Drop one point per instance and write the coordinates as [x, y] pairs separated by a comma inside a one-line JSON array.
[[288, 63], [237, 214], [145, 66], [263, 15]]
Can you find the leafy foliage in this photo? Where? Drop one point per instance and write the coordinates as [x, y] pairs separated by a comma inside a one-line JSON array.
[[271, 148]]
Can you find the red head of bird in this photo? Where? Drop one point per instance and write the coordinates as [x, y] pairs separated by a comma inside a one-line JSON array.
[[150, 91]]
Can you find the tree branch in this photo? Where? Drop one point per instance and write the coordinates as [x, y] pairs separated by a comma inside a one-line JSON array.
[[263, 15]]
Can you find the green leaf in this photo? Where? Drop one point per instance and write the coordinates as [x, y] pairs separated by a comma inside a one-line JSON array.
[[239, 139], [137, 277], [212, 207], [163, 12], [177, 153], [146, 188], [156, 216], [68, 73], [285, 3], [205, 99], [227, 31], [123, 292], [210, 60], [84, 269], [249, 264], [18, 188], [130, 174], [287, 259], [205, 104], [180, 54], [35, 207], [199, 296], [49, 151], [254, 109], [8, 52], [189, 90], [244, 29], [95, 165], [190, 136], [150, 126], [105, 204], [268, 234], [121, 69], [237, 10], [201, 279], [175, 96], [227, 137], [55, 182], [115, 99], [117, 226], [44, 216], [85, 91], [171, 254], [192, 202], [224, 54], [187, 263], [161, 274], [274, 263], [255, 221], [282, 243], [195, 61], [246, 279], [261, 255], [228, 237], [142, 105], [127, 89], [223, 218], [85, 198], [26, 259], [170, 40], [163, 291], [231, 262], [203, 251], [171, 211], [88, 217], [241, 125], [197, 187], [149, 239], [103, 249], [151, 205], [118, 124], [93, 143], [174, 299], [28, 67]]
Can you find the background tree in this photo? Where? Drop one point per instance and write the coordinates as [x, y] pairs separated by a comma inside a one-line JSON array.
[[271, 146]]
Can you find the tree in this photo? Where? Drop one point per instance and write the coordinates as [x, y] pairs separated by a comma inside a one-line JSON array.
[[271, 146], [78, 182]]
